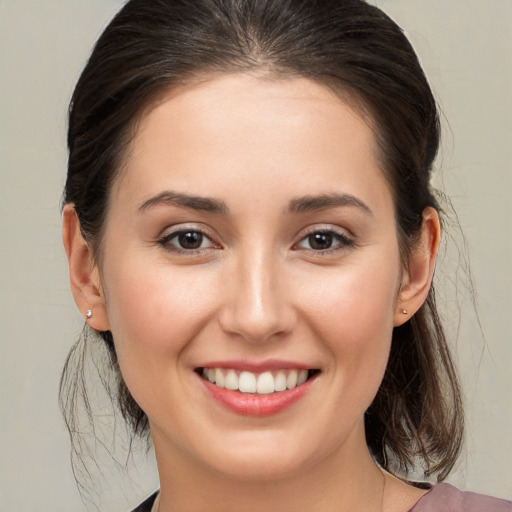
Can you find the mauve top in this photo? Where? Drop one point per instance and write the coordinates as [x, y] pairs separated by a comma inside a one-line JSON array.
[[441, 498], [446, 498]]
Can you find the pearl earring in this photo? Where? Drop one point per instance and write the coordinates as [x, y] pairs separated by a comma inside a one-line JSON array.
[[88, 314], [404, 311]]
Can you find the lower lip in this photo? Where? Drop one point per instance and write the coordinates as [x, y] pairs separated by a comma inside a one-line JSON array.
[[249, 404]]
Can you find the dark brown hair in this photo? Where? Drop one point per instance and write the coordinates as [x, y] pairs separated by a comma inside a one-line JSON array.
[[415, 421]]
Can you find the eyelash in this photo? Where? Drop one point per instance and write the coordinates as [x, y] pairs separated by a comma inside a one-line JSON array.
[[343, 242], [166, 239]]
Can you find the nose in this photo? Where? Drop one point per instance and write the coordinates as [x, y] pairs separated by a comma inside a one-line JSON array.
[[257, 304]]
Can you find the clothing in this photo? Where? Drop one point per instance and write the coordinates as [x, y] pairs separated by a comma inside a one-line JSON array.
[[146, 505], [441, 498], [446, 498]]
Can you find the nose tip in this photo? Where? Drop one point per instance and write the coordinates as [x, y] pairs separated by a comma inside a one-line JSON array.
[[257, 307]]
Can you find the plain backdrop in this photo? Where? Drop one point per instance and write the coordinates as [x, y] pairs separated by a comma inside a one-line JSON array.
[[465, 47]]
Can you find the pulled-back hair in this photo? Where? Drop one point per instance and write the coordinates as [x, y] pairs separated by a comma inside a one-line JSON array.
[[415, 421]]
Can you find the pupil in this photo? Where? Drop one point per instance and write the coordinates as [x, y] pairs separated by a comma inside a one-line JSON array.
[[190, 240], [320, 241]]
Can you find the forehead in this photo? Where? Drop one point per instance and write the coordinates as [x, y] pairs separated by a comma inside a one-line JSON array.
[[261, 132]]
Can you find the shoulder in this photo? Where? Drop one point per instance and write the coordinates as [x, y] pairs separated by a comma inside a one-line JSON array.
[[447, 498], [147, 504]]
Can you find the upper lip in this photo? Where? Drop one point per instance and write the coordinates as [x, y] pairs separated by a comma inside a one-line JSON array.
[[257, 366]]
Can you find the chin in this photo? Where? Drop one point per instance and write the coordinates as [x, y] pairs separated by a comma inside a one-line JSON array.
[[260, 470], [265, 457]]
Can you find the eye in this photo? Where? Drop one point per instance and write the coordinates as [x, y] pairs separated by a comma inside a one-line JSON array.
[[186, 240], [324, 241]]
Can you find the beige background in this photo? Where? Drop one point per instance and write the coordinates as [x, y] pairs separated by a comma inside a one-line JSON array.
[[465, 46]]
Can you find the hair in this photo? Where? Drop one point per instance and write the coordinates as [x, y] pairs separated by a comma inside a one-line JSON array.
[[150, 47]]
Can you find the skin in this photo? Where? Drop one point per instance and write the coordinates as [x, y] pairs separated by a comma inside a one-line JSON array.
[[255, 290]]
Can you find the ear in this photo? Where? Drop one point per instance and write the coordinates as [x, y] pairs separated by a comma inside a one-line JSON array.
[[418, 276], [83, 272]]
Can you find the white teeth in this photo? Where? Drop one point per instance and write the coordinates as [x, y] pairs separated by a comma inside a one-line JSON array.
[[302, 377], [265, 383], [247, 382], [280, 381], [291, 380], [231, 380], [219, 378]]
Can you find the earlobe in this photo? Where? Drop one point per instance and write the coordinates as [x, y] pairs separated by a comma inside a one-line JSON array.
[[418, 277], [83, 273]]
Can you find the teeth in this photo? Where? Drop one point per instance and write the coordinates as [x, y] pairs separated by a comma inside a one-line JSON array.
[[280, 381], [262, 384], [291, 380], [247, 382], [265, 384], [219, 378], [302, 377], [231, 380]]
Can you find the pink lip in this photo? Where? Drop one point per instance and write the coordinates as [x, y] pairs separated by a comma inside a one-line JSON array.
[[249, 404], [258, 366]]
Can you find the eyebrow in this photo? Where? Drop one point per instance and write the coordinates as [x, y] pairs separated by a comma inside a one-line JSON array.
[[313, 203], [206, 204], [298, 205]]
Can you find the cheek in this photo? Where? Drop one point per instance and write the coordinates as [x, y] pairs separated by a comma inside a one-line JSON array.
[[154, 312], [349, 304], [352, 312]]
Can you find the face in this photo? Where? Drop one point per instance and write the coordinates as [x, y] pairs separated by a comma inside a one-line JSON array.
[[251, 243]]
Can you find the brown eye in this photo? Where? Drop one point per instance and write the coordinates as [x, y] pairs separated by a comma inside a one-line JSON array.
[[187, 240], [324, 241], [320, 241], [190, 240]]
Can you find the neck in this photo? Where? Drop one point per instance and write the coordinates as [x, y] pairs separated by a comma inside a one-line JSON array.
[[345, 481]]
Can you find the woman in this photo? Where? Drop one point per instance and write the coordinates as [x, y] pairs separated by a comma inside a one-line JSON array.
[[250, 229]]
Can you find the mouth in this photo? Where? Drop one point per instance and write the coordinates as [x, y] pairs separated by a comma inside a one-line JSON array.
[[268, 382]]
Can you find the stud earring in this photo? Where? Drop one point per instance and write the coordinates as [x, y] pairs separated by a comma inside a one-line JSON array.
[[88, 314], [404, 311]]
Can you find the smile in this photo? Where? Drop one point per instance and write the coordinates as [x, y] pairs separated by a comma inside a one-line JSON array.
[[263, 383]]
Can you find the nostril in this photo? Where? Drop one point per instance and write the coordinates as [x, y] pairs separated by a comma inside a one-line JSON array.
[[256, 326]]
